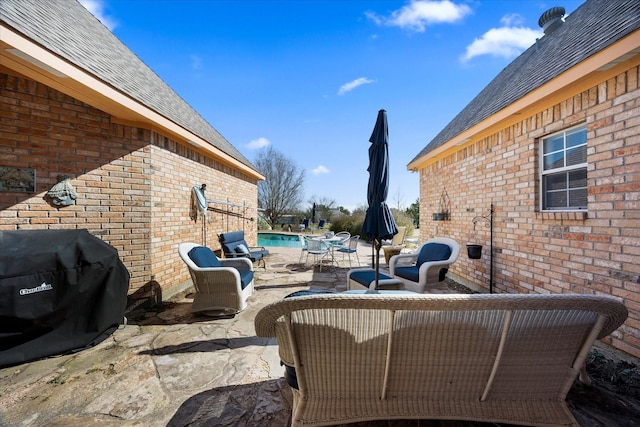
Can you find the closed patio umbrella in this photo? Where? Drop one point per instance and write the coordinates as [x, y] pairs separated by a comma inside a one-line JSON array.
[[378, 221], [313, 213]]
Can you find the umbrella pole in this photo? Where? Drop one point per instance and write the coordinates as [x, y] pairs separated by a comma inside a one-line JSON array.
[[377, 262], [373, 254]]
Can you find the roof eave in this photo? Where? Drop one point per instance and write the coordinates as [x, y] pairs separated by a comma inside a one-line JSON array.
[[48, 68], [599, 67]]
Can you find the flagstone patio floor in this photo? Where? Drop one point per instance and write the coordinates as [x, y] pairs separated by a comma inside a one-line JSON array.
[[171, 368]]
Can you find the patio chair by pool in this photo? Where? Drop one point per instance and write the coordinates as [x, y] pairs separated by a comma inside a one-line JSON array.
[[222, 285], [319, 249], [496, 358], [341, 238], [303, 247], [428, 265], [320, 225], [350, 247], [235, 246]]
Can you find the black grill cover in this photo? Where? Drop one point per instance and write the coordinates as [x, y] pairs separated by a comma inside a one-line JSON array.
[[60, 291]]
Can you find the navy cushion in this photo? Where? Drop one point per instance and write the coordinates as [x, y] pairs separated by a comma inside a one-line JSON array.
[[230, 247], [246, 276], [261, 252], [290, 376], [204, 257], [255, 256], [433, 252], [233, 236], [365, 277], [413, 273], [409, 273], [242, 249], [307, 292], [346, 250]]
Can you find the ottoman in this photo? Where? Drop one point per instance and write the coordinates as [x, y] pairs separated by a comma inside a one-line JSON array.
[[365, 278]]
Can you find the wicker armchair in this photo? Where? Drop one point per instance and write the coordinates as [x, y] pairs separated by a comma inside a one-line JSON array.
[[487, 357], [427, 265], [222, 289]]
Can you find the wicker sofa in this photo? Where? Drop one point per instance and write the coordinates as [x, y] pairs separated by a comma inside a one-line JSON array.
[[354, 357]]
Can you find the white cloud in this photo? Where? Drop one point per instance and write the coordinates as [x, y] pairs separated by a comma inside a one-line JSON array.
[[418, 14], [512, 20], [347, 87], [256, 144], [96, 7], [506, 42], [320, 170]]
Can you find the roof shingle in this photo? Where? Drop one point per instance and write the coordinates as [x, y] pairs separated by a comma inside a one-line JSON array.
[[69, 30], [593, 26]]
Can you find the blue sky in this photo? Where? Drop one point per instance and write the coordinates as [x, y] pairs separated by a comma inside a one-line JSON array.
[[308, 77]]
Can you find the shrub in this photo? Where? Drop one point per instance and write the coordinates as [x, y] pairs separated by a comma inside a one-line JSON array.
[[350, 223], [353, 223], [404, 219]]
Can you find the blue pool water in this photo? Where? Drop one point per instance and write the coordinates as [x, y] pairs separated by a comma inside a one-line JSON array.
[[279, 240]]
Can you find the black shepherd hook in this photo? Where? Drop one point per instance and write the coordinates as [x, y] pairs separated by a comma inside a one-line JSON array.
[[489, 223]]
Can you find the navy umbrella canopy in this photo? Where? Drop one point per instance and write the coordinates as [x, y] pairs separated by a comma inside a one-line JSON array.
[[313, 213], [378, 221]]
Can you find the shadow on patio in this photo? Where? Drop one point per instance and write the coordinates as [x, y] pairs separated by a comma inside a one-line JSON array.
[[172, 368]]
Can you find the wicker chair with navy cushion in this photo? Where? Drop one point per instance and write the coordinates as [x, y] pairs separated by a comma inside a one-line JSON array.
[[222, 285], [428, 265], [235, 246]]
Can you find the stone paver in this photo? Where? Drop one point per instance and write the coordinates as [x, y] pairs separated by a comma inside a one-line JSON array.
[[172, 368]]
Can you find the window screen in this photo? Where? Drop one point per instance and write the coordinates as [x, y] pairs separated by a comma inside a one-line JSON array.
[[564, 170]]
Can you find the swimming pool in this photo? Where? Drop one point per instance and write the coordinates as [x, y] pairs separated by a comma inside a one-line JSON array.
[[279, 239]]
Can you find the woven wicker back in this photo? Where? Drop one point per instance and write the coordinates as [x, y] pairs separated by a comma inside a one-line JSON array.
[[398, 350]]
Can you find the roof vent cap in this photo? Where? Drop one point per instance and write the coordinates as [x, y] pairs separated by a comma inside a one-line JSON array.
[[551, 19]]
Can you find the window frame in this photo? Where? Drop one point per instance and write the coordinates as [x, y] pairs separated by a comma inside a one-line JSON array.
[[543, 193]]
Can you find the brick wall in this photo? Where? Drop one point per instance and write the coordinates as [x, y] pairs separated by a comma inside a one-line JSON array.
[[597, 252], [173, 177], [133, 184]]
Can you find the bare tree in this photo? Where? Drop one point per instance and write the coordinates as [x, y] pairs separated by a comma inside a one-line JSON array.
[[398, 199], [282, 190]]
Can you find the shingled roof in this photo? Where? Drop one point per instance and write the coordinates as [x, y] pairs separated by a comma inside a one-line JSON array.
[[67, 29], [592, 27]]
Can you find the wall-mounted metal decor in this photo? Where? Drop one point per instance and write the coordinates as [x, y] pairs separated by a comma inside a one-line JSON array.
[[17, 179], [63, 193], [201, 205], [444, 211]]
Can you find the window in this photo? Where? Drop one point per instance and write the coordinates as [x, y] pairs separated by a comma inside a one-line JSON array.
[[564, 171]]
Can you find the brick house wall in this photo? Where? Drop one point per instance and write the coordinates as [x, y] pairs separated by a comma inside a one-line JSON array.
[[596, 252], [134, 185], [175, 170]]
